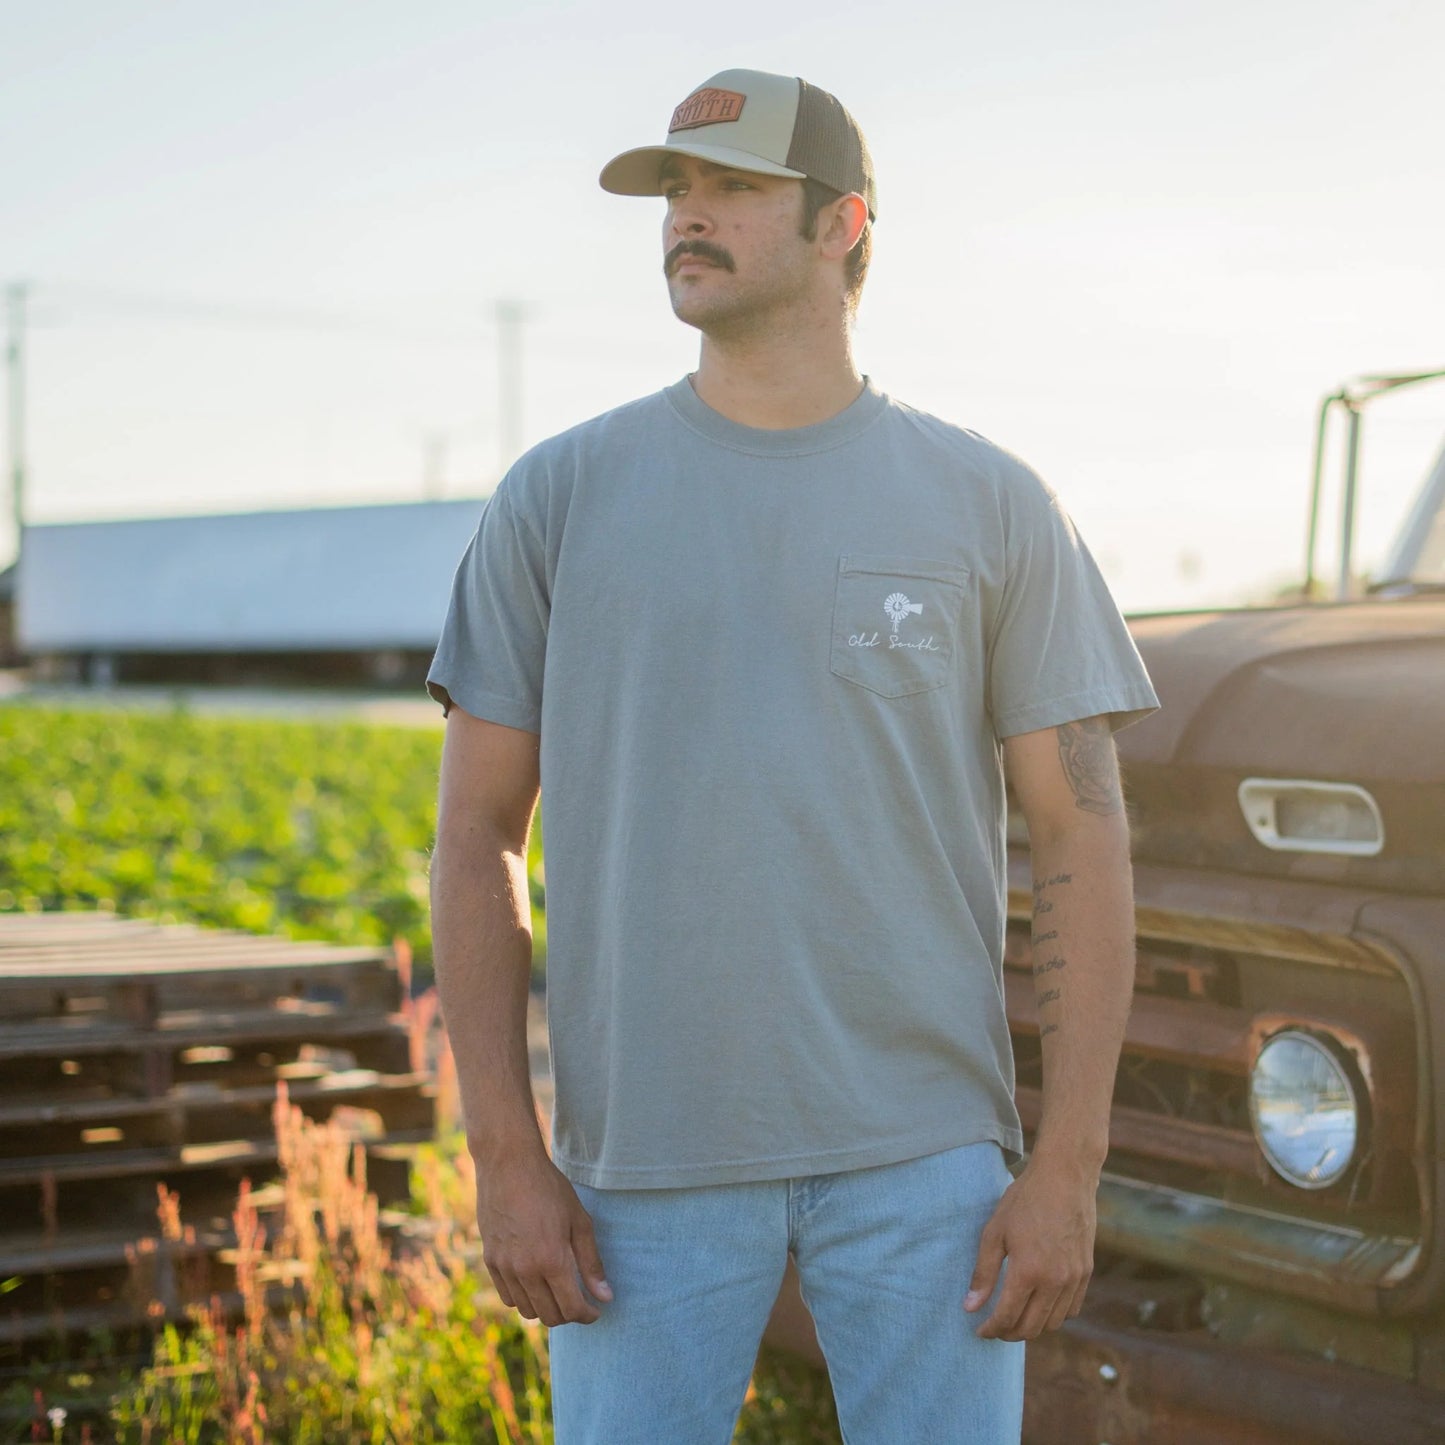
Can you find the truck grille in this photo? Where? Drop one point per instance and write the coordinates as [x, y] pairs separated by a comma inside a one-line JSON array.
[[1181, 1116]]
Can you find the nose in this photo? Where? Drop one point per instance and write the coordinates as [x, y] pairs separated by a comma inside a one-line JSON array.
[[688, 218]]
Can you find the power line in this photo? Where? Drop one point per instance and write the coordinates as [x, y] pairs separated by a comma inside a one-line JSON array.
[[249, 315], [508, 319], [63, 305]]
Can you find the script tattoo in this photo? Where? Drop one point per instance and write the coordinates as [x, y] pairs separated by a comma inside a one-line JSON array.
[[1086, 749], [1046, 891]]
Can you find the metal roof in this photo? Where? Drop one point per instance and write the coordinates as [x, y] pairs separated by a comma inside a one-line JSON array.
[[334, 578]]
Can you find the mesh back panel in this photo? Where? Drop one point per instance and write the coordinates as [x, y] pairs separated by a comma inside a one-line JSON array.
[[828, 145]]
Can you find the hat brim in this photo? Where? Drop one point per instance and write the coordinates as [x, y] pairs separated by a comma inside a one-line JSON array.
[[635, 172]]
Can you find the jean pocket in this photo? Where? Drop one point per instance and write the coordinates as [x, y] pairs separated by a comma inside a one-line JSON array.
[[895, 622]]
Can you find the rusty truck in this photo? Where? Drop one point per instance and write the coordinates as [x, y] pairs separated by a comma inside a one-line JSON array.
[[1270, 1260]]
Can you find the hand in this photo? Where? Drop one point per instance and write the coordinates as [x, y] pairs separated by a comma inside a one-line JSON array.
[[536, 1240], [1045, 1225]]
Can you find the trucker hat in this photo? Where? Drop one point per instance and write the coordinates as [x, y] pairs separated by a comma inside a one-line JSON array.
[[775, 125]]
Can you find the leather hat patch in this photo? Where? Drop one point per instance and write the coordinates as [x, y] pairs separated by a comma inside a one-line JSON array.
[[707, 107]]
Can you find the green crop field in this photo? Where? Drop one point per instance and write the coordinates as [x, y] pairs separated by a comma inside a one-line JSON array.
[[309, 829]]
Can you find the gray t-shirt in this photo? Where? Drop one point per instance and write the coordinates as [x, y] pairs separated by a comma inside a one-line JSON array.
[[771, 671]]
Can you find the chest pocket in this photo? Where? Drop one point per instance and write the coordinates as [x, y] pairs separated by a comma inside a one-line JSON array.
[[895, 622]]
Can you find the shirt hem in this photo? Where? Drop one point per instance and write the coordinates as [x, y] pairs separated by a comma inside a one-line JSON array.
[[489, 706], [1123, 705], [794, 1166]]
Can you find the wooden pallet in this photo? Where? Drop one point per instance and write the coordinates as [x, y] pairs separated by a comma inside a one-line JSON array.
[[136, 1054]]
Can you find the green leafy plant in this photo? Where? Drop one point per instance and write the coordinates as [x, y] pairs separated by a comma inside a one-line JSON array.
[[309, 829]]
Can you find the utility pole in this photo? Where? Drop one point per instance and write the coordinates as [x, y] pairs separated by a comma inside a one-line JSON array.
[[510, 316], [15, 404]]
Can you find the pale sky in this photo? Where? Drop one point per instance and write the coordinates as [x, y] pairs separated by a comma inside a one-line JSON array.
[[1134, 241]]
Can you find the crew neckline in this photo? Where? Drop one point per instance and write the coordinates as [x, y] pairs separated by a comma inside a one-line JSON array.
[[859, 414]]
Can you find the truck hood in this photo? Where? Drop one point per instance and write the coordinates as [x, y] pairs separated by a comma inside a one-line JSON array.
[[1349, 693]]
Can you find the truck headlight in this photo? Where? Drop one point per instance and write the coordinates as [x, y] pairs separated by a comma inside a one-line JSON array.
[[1306, 1116]]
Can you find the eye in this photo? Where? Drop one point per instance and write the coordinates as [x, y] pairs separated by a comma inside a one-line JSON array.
[[671, 190]]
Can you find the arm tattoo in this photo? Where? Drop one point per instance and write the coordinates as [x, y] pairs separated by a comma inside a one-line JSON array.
[[1086, 749], [1053, 963], [1050, 882]]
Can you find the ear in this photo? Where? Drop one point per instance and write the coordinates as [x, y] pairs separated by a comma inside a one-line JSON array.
[[844, 222]]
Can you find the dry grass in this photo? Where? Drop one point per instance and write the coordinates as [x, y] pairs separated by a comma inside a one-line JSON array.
[[344, 1331]]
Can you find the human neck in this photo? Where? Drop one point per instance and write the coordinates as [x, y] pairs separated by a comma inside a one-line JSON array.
[[786, 378]]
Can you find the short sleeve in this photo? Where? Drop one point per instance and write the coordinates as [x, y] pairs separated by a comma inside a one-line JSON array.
[[1059, 649], [493, 644]]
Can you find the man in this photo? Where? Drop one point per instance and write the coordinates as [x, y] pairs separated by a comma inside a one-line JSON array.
[[767, 640]]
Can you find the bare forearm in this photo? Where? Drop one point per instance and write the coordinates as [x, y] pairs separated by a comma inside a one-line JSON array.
[[1083, 982], [538, 1244], [1067, 781], [482, 936]]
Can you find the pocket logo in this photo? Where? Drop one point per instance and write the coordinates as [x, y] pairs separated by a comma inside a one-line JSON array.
[[922, 601], [898, 607]]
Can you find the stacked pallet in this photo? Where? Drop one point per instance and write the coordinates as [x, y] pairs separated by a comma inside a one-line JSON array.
[[135, 1055]]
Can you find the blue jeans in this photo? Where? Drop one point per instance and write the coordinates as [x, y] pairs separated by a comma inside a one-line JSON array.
[[884, 1256]]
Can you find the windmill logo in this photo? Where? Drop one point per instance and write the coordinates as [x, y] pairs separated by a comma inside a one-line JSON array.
[[897, 606]]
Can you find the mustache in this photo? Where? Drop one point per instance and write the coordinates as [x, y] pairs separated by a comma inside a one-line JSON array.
[[704, 249]]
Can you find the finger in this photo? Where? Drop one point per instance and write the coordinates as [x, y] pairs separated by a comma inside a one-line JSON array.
[[985, 1269], [566, 1289], [1008, 1310], [548, 1310], [1035, 1318], [503, 1287], [521, 1299], [1077, 1304], [589, 1261], [1060, 1312], [1032, 1313]]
